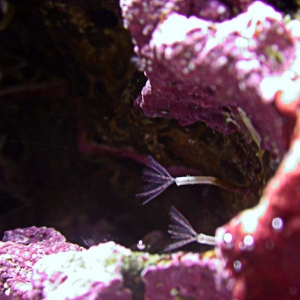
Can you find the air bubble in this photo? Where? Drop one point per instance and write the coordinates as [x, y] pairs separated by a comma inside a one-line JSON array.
[[228, 240], [277, 223], [248, 243], [140, 245], [227, 237], [248, 240], [237, 265]]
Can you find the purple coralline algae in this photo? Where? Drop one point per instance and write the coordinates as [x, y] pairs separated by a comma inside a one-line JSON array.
[[221, 73], [60, 270], [110, 271], [260, 247], [185, 276], [235, 73], [90, 274], [20, 250], [33, 234]]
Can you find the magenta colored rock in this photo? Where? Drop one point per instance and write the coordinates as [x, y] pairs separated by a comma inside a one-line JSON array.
[[260, 247], [239, 75], [60, 270], [33, 234], [24, 247], [90, 274], [185, 276], [142, 17], [200, 70]]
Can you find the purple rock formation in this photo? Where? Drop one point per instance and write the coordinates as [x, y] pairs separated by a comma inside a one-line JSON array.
[[91, 274], [260, 247], [33, 234], [60, 270], [222, 74], [238, 75], [200, 70], [21, 249], [185, 277]]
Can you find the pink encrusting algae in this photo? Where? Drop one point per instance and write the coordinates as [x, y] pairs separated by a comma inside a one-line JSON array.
[[237, 73], [20, 250], [261, 245], [222, 73], [38, 269]]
